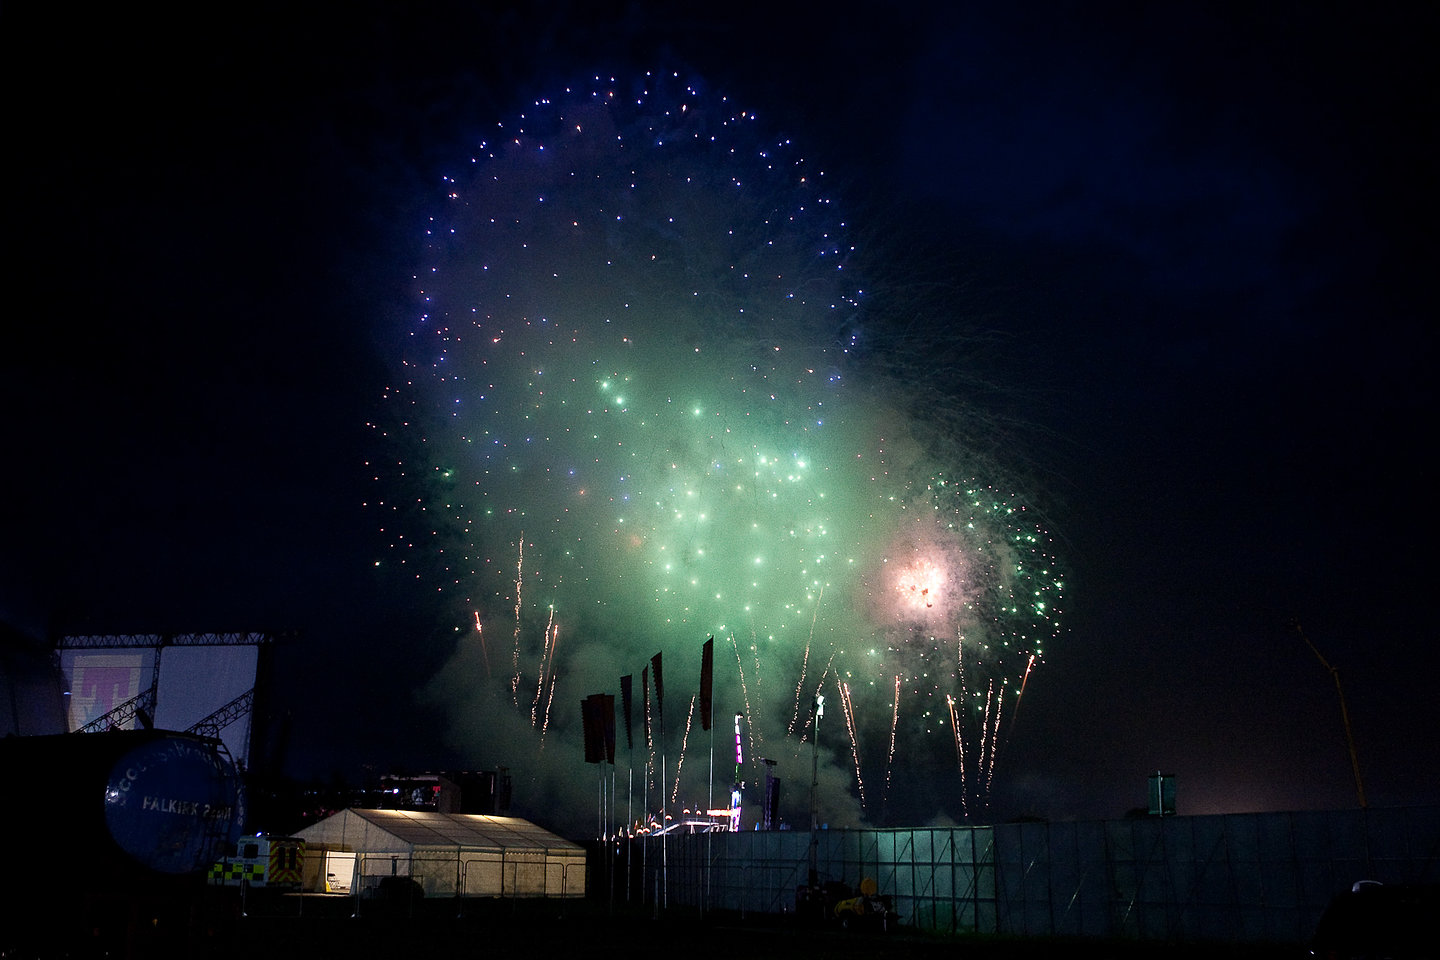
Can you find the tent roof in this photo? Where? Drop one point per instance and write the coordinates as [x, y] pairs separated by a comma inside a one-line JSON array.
[[463, 830]]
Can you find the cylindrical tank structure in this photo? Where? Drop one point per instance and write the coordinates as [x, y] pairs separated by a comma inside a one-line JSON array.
[[108, 837], [172, 804], [119, 803]]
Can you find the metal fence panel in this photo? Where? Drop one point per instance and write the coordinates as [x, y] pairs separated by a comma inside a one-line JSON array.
[[1230, 878]]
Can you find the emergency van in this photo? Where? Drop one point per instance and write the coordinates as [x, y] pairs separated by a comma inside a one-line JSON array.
[[261, 861]]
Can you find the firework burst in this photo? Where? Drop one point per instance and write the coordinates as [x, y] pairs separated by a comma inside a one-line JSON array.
[[635, 416]]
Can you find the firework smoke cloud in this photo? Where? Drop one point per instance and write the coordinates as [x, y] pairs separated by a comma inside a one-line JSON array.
[[633, 415]]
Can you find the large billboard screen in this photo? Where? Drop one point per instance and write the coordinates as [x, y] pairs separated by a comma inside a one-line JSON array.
[[100, 681], [195, 678]]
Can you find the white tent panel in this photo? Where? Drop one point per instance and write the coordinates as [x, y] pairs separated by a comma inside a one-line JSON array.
[[452, 854]]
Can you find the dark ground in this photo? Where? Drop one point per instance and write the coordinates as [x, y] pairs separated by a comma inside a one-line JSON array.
[[541, 930], [580, 929]]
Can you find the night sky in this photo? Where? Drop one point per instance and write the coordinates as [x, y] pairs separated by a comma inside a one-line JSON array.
[[1173, 260]]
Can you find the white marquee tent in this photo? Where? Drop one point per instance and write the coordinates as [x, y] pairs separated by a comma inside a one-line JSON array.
[[448, 854]]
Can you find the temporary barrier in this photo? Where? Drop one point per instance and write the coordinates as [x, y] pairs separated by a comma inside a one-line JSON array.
[[1257, 877]]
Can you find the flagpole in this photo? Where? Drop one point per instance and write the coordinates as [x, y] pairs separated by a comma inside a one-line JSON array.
[[645, 785], [629, 818], [817, 710], [610, 839], [664, 824], [625, 682], [664, 821], [664, 900], [708, 705], [710, 830]]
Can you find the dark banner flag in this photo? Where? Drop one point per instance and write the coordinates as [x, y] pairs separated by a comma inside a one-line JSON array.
[[594, 729], [625, 704], [771, 813], [598, 713], [645, 704], [659, 686], [707, 678], [607, 721]]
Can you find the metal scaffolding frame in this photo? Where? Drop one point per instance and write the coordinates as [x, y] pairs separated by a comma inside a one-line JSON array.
[[141, 707]]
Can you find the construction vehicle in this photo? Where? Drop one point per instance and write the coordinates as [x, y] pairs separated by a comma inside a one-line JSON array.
[[838, 903], [869, 909]]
